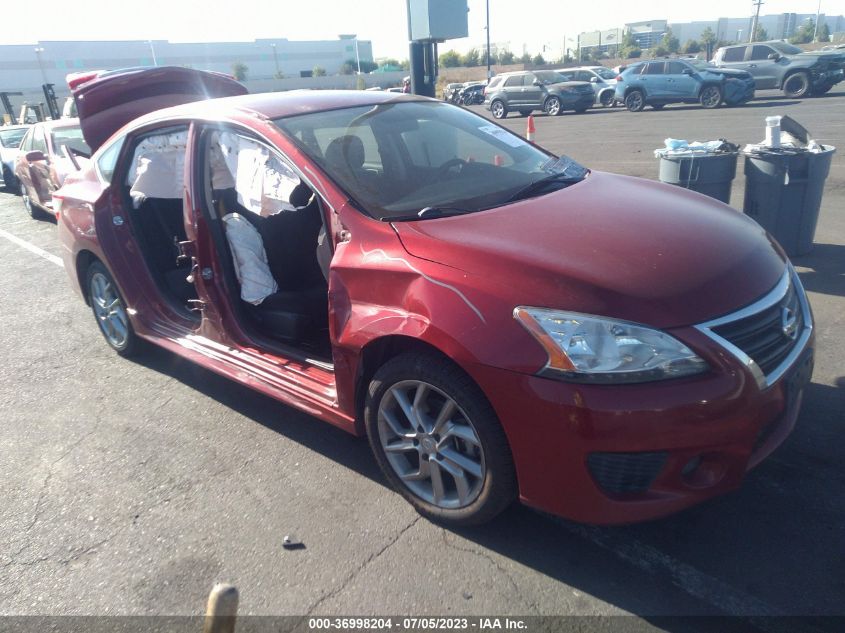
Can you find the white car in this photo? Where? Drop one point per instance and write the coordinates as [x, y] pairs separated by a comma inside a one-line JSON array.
[[603, 80], [10, 140]]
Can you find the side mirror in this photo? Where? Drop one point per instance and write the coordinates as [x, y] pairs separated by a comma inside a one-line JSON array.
[[774, 56], [34, 156], [594, 80], [687, 71], [537, 82]]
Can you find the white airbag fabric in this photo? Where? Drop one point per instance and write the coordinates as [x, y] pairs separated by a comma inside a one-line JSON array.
[[250, 258]]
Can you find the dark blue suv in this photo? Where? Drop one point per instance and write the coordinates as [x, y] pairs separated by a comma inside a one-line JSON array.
[[661, 81]]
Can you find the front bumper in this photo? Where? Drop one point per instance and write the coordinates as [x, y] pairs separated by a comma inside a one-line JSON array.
[[608, 454]]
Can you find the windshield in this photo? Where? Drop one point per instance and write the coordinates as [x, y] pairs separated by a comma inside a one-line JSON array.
[[605, 73], [396, 159], [72, 137], [786, 49], [549, 76], [12, 138]]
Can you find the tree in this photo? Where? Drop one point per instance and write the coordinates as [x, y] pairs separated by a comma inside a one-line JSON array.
[[405, 64], [538, 60], [318, 71], [824, 33], [525, 58], [805, 33], [634, 53], [367, 66], [628, 45], [347, 68], [240, 70], [390, 61], [692, 47], [670, 42], [472, 58], [506, 58], [450, 59], [708, 39], [660, 51], [761, 35]]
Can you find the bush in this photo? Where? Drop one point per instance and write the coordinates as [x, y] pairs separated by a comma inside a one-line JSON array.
[[538, 60], [471, 58], [506, 58], [634, 53], [692, 47], [449, 59], [240, 70], [318, 71]]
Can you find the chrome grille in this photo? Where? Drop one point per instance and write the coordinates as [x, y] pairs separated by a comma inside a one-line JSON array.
[[762, 336], [768, 335]]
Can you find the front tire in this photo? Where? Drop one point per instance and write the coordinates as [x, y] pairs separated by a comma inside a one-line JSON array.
[[607, 99], [797, 85], [635, 101], [553, 106], [32, 209], [110, 311], [498, 109], [710, 97], [438, 440]]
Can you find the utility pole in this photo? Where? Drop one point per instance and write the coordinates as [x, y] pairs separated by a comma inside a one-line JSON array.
[[816, 29], [753, 35], [489, 74]]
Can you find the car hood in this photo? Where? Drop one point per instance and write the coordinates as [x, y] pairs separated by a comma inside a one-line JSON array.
[[570, 84], [729, 72], [830, 56], [610, 245], [109, 100]]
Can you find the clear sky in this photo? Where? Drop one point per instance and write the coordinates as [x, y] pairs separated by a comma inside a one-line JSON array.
[[529, 24]]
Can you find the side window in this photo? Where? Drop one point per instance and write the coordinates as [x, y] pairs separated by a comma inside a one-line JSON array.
[[495, 82], [654, 68], [567, 75], [157, 169], [584, 75], [26, 143], [734, 54], [39, 142], [262, 179], [674, 68], [107, 160], [516, 80], [759, 52]]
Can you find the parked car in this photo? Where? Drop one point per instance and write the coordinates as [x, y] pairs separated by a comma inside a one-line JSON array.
[[472, 93], [546, 90], [662, 81], [48, 153], [450, 92], [501, 322], [781, 65], [10, 141], [602, 79]]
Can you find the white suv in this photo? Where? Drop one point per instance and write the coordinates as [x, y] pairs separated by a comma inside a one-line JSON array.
[[603, 81]]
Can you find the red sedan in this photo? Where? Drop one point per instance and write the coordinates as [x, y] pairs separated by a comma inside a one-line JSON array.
[[500, 322], [48, 153]]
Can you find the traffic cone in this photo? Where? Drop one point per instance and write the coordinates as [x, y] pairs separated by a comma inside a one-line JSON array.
[[529, 132]]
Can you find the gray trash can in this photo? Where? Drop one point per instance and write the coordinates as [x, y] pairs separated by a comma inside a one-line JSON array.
[[783, 193], [709, 173]]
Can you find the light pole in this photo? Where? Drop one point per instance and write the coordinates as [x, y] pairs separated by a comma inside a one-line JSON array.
[[275, 59], [816, 28], [739, 35], [38, 51], [153, 52], [357, 56], [489, 74]]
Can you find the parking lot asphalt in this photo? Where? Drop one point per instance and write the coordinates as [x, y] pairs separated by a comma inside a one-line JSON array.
[[130, 487]]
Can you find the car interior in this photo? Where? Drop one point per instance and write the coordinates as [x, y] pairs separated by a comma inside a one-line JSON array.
[[268, 226]]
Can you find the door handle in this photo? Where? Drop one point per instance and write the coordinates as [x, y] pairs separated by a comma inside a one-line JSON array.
[[752, 65]]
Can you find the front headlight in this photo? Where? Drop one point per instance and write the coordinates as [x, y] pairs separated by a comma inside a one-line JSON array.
[[592, 349]]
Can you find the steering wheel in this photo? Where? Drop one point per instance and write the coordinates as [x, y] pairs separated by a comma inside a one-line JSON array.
[[460, 163]]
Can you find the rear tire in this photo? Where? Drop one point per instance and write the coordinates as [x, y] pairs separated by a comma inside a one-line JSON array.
[[635, 101], [110, 311], [710, 97], [498, 109], [797, 85], [438, 440]]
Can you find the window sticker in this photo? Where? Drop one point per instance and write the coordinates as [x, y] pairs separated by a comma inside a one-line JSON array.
[[502, 135]]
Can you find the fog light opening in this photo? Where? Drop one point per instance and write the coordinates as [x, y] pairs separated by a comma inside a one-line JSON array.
[[704, 471], [691, 466]]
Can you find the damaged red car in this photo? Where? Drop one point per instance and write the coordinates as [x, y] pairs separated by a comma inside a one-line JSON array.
[[502, 323]]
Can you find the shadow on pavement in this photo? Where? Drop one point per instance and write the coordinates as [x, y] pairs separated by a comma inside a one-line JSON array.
[[827, 269], [749, 549]]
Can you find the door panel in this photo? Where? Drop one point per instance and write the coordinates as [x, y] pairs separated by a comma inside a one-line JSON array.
[[678, 84], [761, 67]]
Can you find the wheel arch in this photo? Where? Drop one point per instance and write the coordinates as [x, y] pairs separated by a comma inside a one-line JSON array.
[[794, 71], [84, 259]]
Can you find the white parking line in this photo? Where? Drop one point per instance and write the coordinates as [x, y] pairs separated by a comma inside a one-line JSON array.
[[32, 248]]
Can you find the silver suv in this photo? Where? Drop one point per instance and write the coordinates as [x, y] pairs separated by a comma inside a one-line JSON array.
[[781, 65], [546, 90], [602, 79]]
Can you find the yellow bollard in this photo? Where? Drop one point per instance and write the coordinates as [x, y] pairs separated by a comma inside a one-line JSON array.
[[222, 609]]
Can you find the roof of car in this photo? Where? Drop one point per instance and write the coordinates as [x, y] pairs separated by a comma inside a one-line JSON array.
[[274, 105], [58, 123]]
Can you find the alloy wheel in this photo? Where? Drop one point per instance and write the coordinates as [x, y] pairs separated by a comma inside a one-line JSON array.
[[431, 444], [498, 109], [109, 309], [711, 97], [553, 106]]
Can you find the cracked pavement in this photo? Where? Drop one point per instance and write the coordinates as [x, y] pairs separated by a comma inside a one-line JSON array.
[[131, 487]]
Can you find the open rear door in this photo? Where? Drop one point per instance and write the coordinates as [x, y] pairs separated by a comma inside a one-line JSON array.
[[108, 100]]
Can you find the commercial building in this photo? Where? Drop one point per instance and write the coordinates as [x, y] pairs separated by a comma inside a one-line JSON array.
[[26, 67]]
